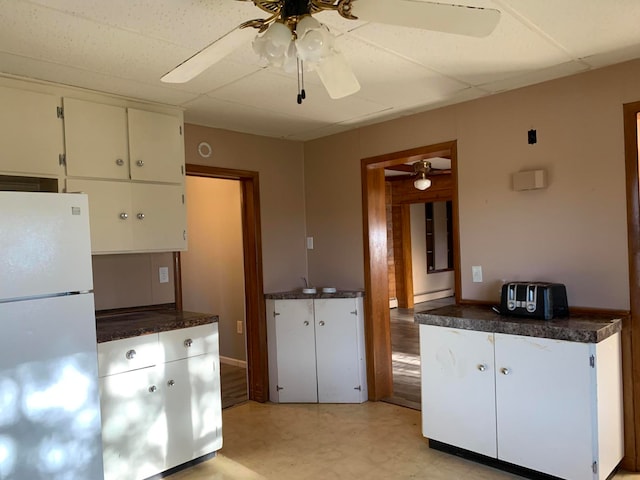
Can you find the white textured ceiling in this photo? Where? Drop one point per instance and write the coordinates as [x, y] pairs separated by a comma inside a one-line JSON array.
[[124, 47]]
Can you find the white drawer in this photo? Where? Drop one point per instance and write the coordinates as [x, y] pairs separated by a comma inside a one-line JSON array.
[[127, 354], [188, 342]]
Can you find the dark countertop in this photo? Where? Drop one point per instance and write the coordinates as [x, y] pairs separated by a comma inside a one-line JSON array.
[[590, 328], [297, 294], [115, 326]]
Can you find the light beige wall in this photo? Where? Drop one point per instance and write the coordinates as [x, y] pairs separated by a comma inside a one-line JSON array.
[[573, 232], [121, 281], [281, 169], [423, 282], [212, 268]]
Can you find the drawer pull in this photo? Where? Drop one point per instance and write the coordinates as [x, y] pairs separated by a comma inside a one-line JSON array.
[[188, 342], [152, 389], [131, 354], [171, 383], [124, 215]]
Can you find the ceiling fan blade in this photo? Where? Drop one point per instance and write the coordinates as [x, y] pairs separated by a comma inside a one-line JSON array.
[[208, 56], [459, 19], [337, 77]]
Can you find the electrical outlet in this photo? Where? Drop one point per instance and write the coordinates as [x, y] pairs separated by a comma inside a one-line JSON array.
[[239, 327], [476, 273], [163, 274]]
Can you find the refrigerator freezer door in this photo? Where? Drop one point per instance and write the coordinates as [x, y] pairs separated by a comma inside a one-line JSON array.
[[49, 392], [45, 244]]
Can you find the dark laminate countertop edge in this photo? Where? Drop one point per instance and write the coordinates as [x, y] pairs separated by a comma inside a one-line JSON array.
[[117, 326], [577, 328], [298, 295]]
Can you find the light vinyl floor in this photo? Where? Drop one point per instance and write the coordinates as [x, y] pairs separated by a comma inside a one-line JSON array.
[[370, 441]]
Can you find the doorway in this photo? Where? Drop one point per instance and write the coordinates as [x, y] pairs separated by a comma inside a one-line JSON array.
[[254, 306], [630, 330], [378, 331]]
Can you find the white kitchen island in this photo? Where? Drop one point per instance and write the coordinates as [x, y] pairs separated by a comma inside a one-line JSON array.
[[545, 395]]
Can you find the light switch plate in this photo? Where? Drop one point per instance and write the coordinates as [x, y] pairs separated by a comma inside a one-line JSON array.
[[476, 273], [163, 274], [309, 243]]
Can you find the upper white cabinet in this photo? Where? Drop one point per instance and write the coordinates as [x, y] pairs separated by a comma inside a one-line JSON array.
[[134, 217], [316, 350], [552, 406], [30, 133], [114, 142], [95, 137], [156, 147]]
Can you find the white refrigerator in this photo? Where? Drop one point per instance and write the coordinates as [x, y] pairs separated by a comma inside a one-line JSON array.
[[49, 397]]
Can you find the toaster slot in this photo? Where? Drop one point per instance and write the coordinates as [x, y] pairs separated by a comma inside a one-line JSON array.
[[532, 295]]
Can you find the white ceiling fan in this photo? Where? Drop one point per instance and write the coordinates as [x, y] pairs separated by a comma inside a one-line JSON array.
[[292, 39]]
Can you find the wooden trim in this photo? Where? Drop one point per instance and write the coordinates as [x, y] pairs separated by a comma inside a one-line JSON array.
[[402, 255], [631, 328], [377, 321], [256, 331], [177, 280]]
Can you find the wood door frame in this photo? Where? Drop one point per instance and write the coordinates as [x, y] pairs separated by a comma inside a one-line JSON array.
[[256, 325], [631, 324], [374, 218]]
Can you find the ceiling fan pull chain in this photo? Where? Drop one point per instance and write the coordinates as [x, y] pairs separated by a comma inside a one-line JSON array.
[[300, 97], [302, 92]]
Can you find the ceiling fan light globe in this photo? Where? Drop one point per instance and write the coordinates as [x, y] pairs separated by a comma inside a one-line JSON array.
[[305, 24], [422, 183], [312, 47], [278, 34]]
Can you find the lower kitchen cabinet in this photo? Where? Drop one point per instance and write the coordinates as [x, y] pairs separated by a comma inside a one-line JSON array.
[[316, 350], [163, 415], [548, 405]]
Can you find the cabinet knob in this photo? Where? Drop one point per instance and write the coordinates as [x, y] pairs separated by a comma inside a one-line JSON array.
[[171, 383], [120, 162], [188, 342], [140, 163], [152, 389], [124, 215], [505, 371], [482, 367], [321, 323], [140, 216], [131, 354], [306, 323]]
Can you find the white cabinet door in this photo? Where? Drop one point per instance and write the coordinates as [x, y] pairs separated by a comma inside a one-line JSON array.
[[194, 416], [458, 388], [295, 351], [159, 217], [96, 140], [134, 426], [336, 350], [544, 400], [30, 133], [132, 217], [156, 147], [110, 214]]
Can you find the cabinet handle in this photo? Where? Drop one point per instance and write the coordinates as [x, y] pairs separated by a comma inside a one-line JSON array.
[[124, 215], [278, 388], [140, 163], [188, 342], [152, 389], [321, 323], [505, 371], [119, 162], [140, 216], [482, 367], [131, 354], [171, 383], [306, 323]]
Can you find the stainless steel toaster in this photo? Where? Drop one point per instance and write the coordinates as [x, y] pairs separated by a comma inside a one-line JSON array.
[[534, 299]]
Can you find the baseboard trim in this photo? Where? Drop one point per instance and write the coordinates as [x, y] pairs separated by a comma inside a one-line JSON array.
[[233, 361]]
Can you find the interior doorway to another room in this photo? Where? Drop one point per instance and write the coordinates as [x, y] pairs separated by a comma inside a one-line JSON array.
[[222, 273], [381, 199]]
